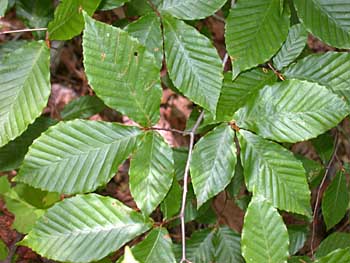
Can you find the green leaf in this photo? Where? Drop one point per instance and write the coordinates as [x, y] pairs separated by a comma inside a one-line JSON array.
[[35, 14], [156, 247], [297, 237], [292, 111], [272, 171], [69, 21], [327, 20], [292, 48], [82, 107], [111, 4], [191, 9], [227, 245], [264, 235], [199, 248], [234, 94], [151, 172], [299, 259], [213, 163], [122, 72], [147, 30], [255, 30], [12, 154], [9, 46], [3, 7], [77, 156], [180, 158], [335, 201], [313, 170], [336, 240], [336, 256], [331, 69], [193, 63], [85, 228], [24, 88], [128, 256], [3, 250], [238, 180], [324, 146], [172, 203]]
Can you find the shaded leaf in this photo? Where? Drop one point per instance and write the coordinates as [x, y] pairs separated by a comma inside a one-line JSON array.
[[331, 69], [82, 107], [151, 172], [24, 88], [213, 163], [255, 30], [193, 63], [335, 201], [180, 158], [69, 21], [111, 4], [297, 237], [234, 94], [85, 228], [77, 156], [328, 20], [292, 111], [336, 240], [336, 256], [3, 248], [3, 7], [299, 259], [172, 203], [121, 71], [191, 9], [292, 48], [272, 171], [264, 235]]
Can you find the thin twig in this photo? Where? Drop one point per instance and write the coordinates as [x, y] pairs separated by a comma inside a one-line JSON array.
[[184, 193], [217, 17], [184, 133], [319, 192], [277, 73], [23, 30], [224, 60]]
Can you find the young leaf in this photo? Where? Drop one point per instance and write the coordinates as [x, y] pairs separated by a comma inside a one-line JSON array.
[[227, 245], [24, 88], [111, 4], [85, 228], [193, 63], [156, 247], [122, 72], [213, 163], [335, 201], [292, 111], [151, 172], [331, 69], [83, 107], [172, 203], [264, 235], [297, 237], [255, 30], [234, 94], [292, 48], [336, 256], [147, 30], [334, 241], [69, 21], [191, 9], [12, 154], [328, 20], [273, 172], [77, 156]]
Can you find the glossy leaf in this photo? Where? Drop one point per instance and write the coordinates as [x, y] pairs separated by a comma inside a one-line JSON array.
[[193, 63], [69, 21], [336, 240], [327, 20], [171, 205], [156, 247], [147, 30], [273, 172], [24, 88], [234, 94], [227, 245], [213, 163], [264, 235], [111, 4], [83, 107], [292, 48], [292, 111], [255, 30], [85, 228], [151, 172], [191, 9], [121, 71], [297, 237], [331, 69], [12, 154], [336, 256], [77, 156], [335, 201]]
